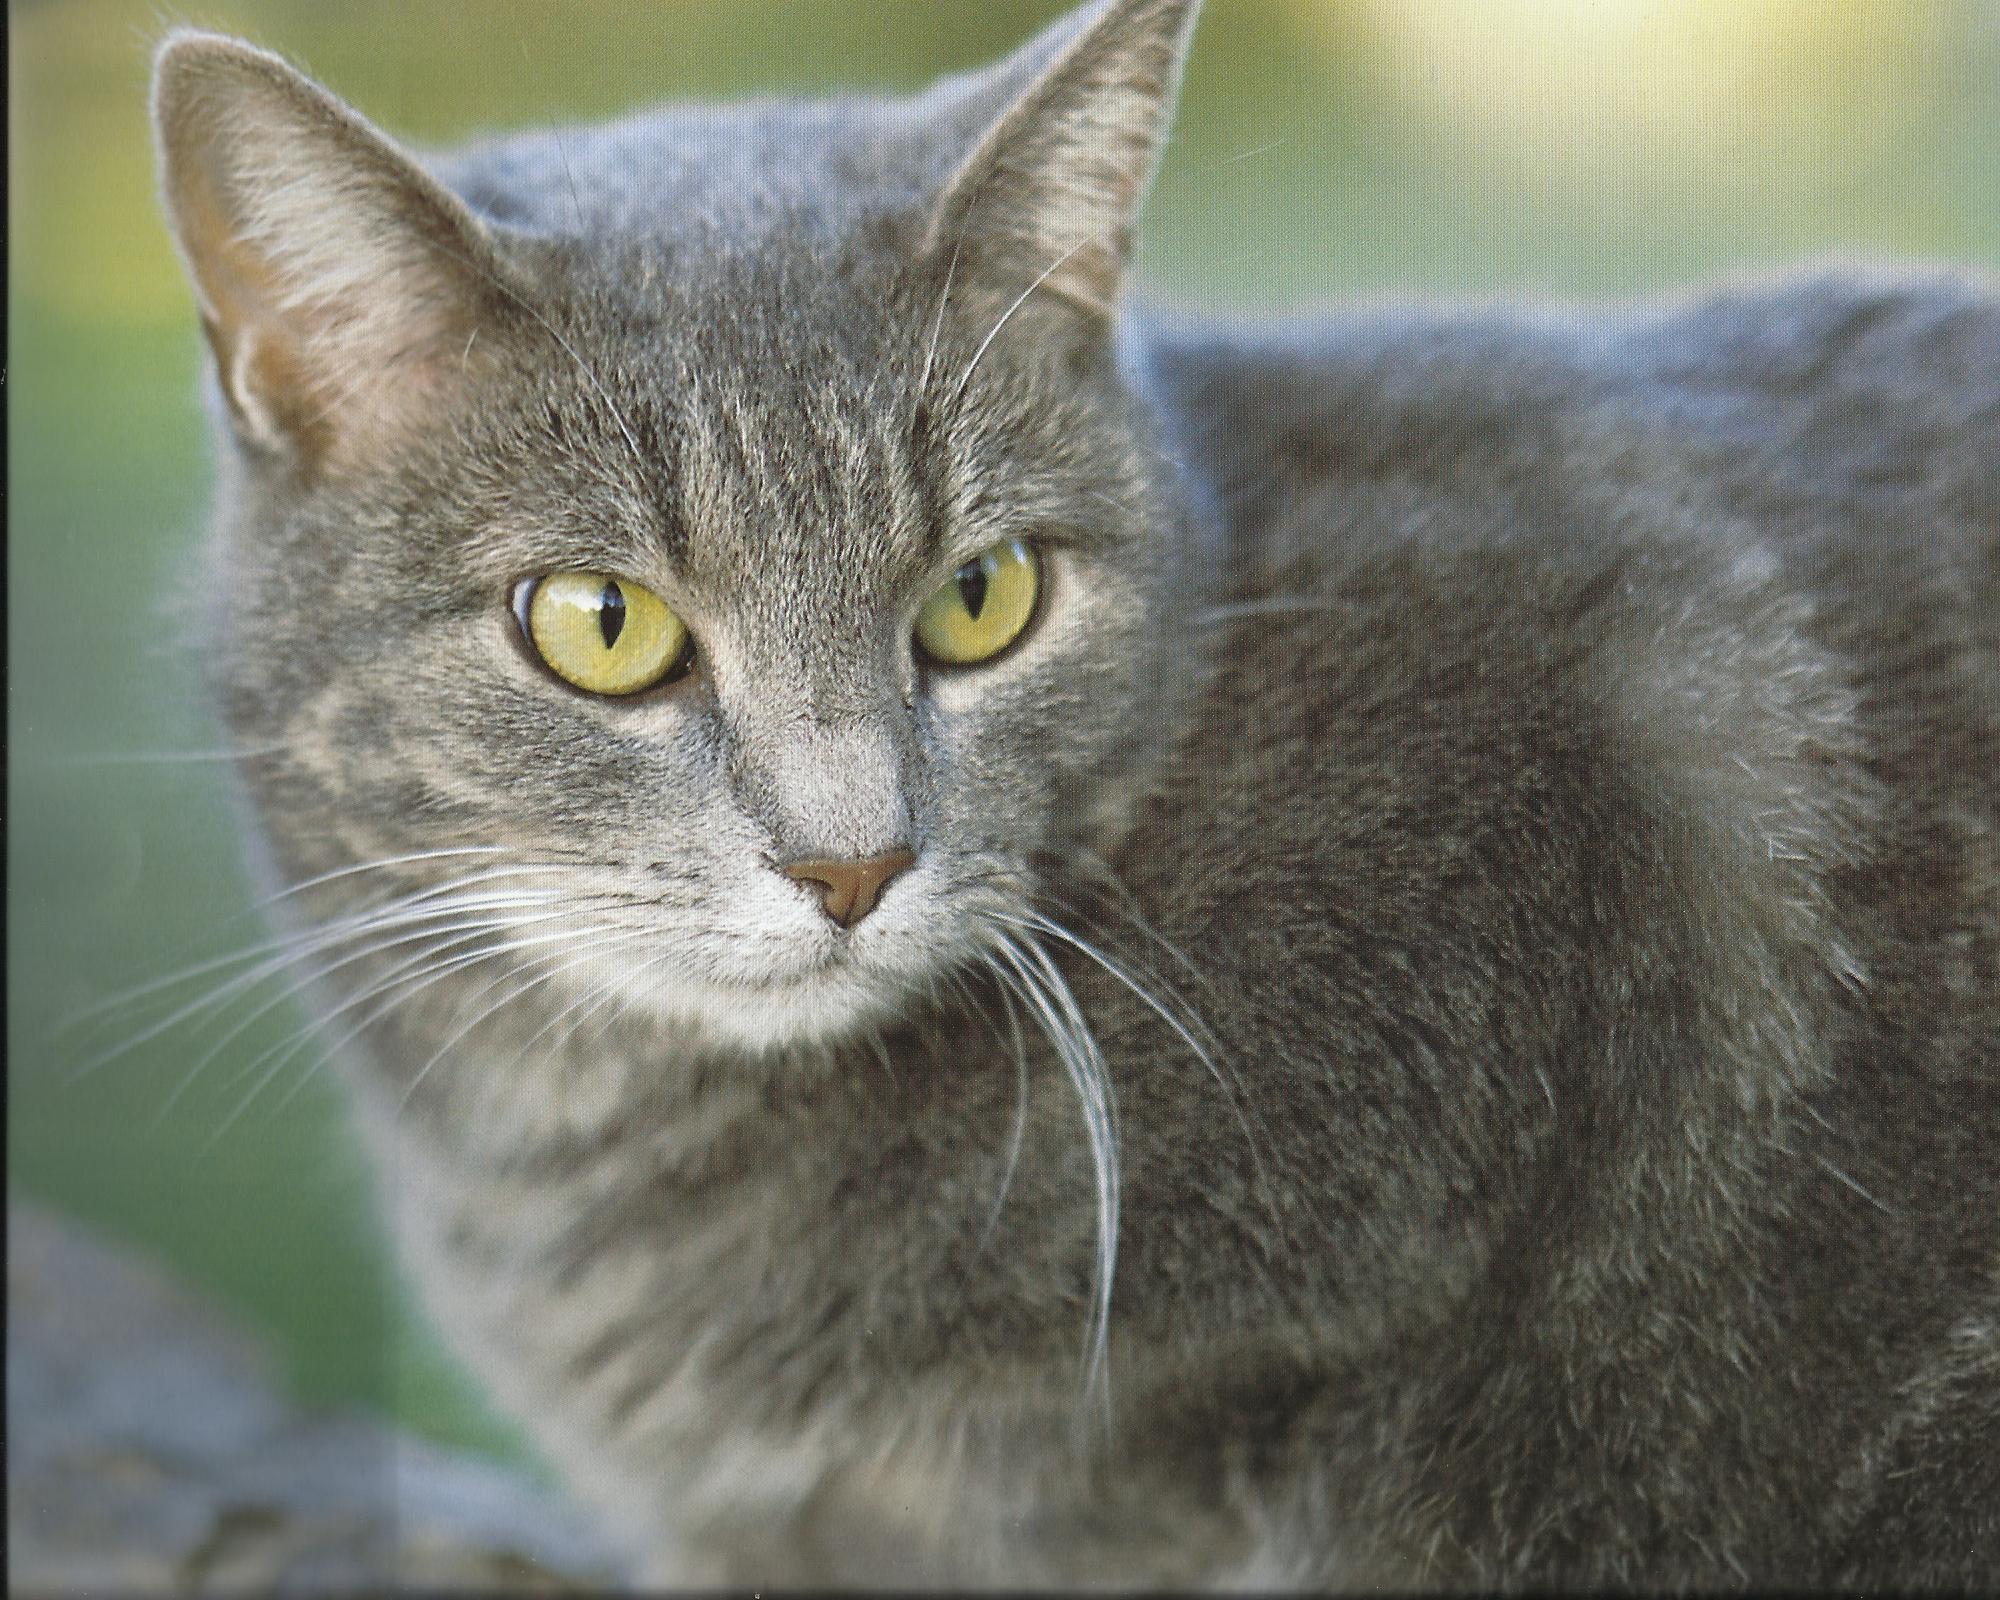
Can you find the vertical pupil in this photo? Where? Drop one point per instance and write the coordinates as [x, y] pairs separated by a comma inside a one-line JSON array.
[[972, 588], [611, 612]]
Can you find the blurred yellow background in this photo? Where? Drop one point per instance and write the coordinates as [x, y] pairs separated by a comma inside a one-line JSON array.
[[1324, 143], [1326, 148]]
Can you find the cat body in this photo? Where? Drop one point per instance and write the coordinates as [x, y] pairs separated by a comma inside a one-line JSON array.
[[1444, 1027]]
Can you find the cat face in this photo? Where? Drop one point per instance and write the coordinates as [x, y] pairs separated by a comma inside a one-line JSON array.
[[785, 418]]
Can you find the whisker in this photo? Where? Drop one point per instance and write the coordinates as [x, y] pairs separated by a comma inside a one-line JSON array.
[[562, 151], [433, 962], [424, 980], [188, 1078], [1020, 1054], [937, 326], [505, 1000], [432, 959], [1040, 987], [1245, 155], [249, 1099], [607, 939], [1269, 606], [613, 1014], [590, 376], [289, 952], [881, 1053], [162, 758], [603, 998], [271, 943], [1101, 875], [1231, 1086], [382, 864], [1006, 317]]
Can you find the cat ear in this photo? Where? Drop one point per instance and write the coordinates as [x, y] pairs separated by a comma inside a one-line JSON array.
[[339, 285], [1049, 198]]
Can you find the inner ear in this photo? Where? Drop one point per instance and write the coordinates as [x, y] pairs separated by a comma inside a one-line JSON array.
[[1047, 203], [341, 287]]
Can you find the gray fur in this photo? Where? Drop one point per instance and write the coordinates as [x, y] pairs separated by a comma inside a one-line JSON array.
[[1532, 780]]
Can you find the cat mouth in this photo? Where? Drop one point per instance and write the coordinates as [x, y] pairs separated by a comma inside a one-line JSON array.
[[783, 971], [821, 989], [836, 964]]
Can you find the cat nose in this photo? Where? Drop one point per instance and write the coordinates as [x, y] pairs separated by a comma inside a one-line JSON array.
[[849, 889]]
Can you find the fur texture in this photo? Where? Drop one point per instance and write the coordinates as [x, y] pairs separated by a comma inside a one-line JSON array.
[[1445, 1029]]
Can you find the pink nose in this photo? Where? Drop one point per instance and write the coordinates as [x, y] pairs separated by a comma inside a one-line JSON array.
[[849, 889]]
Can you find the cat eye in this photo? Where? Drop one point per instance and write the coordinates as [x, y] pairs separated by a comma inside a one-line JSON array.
[[607, 635], [982, 609]]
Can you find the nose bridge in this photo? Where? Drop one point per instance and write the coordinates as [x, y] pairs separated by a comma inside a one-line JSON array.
[[828, 783]]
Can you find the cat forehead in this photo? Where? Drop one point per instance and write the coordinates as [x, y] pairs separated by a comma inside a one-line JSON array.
[[723, 465], [720, 178], [744, 288], [741, 273]]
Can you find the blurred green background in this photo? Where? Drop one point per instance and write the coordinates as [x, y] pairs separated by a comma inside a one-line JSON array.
[[1325, 148]]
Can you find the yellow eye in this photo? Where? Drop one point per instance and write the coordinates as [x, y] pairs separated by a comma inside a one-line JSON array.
[[983, 609], [601, 633]]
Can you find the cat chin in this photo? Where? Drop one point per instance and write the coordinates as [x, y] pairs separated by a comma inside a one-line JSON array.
[[789, 1016], [821, 1008]]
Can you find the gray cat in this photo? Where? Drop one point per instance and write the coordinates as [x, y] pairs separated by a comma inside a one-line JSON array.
[[985, 937]]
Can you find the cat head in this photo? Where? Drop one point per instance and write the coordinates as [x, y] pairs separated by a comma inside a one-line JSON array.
[[723, 557]]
